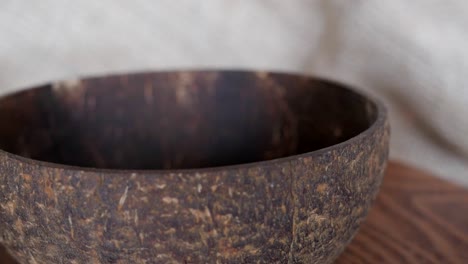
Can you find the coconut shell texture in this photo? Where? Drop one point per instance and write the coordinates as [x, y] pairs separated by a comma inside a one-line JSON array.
[[188, 167]]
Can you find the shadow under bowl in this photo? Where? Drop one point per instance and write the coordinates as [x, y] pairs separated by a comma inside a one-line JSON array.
[[188, 167]]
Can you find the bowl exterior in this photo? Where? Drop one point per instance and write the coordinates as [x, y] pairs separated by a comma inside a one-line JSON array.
[[300, 209]]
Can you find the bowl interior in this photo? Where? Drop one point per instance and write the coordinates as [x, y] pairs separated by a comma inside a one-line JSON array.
[[179, 120]]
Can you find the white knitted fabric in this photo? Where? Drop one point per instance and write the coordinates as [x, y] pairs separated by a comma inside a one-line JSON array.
[[412, 54]]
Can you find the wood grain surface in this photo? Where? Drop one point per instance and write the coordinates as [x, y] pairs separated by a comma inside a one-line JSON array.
[[417, 218]]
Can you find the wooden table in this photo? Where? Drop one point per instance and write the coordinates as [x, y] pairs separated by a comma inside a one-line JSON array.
[[416, 219]]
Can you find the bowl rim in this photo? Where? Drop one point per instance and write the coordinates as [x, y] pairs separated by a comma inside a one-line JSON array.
[[380, 120]]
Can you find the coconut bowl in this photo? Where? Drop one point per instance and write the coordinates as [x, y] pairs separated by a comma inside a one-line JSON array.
[[188, 167]]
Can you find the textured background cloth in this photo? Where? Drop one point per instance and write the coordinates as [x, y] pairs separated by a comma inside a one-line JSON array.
[[412, 54]]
